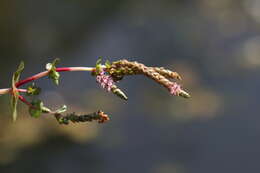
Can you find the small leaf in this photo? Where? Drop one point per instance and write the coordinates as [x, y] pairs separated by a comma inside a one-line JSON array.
[[36, 109], [99, 61], [48, 66], [18, 72], [52, 65], [108, 64], [53, 74], [99, 65], [61, 110], [14, 101], [55, 77], [15, 93], [33, 90]]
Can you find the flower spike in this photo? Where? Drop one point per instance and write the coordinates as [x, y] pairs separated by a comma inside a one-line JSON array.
[[107, 83], [160, 75]]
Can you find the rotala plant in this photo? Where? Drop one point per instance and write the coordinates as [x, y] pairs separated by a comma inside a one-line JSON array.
[[107, 75]]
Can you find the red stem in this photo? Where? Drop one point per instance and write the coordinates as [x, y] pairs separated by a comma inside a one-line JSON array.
[[24, 100], [37, 76], [45, 73]]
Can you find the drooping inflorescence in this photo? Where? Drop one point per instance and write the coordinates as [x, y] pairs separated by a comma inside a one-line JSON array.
[[121, 68], [99, 116], [107, 75]]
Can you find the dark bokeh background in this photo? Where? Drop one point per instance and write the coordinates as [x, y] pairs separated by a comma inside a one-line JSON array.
[[214, 44]]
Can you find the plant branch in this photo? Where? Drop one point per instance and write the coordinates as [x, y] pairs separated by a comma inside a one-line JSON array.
[[24, 100], [45, 73], [8, 90], [106, 75]]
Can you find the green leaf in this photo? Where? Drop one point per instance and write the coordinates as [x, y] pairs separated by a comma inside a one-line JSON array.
[[15, 93], [108, 64], [53, 74], [99, 65], [16, 75], [14, 101], [52, 65], [99, 61], [61, 110], [33, 90], [36, 109]]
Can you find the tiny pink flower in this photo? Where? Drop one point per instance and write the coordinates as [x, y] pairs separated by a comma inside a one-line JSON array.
[[105, 81], [175, 89]]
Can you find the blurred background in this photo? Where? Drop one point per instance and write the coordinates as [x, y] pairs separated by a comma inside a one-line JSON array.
[[213, 44]]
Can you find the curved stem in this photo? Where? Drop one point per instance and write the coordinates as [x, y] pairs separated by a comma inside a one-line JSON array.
[[24, 100], [43, 74], [29, 79]]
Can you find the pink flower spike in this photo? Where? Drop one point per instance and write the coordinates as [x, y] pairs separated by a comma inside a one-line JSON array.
[[105, 81], [175, 89]]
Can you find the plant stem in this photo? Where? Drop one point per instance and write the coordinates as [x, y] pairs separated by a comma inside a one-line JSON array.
[[43, 74], [22, 90], [24, 100], [32, 78], [4, 91], [7, 90]]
